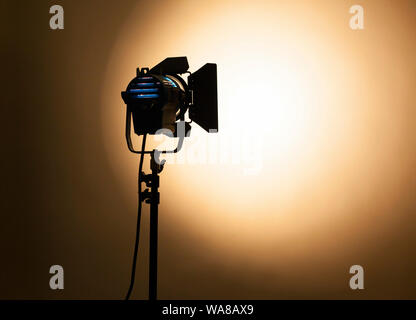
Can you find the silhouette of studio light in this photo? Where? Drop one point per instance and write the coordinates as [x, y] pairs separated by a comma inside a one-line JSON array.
[[159, 97]]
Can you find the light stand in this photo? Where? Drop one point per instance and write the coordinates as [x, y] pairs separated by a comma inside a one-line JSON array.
[[156, 99], [152, 197]]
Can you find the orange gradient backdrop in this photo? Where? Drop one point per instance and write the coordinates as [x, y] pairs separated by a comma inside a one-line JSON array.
[[322, 112]]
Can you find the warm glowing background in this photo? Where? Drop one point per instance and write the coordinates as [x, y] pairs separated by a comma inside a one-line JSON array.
[[329, 114], [331, 108]]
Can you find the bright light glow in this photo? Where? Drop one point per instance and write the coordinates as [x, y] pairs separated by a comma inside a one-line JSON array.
[[319, 141]]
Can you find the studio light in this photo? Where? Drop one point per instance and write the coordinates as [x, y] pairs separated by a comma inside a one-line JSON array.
[[159, 97], [158, 100]]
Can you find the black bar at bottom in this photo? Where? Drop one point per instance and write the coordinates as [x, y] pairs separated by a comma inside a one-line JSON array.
[[215, 309]]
